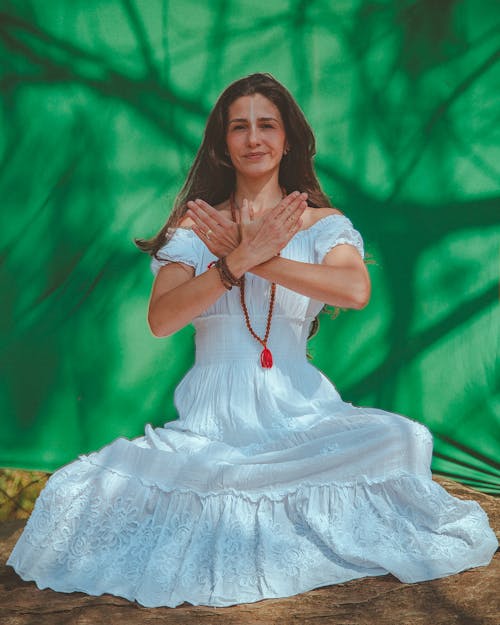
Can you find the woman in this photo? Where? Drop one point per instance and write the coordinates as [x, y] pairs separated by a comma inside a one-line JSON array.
[[268, 484]]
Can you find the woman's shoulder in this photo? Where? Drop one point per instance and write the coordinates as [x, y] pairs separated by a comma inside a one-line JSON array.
[[186, 223], [312, 215]]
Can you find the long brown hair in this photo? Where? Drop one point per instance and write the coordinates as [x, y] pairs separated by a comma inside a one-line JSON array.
[[212, 176]]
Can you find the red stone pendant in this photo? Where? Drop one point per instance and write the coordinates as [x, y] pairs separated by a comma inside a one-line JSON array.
[[266, 358]]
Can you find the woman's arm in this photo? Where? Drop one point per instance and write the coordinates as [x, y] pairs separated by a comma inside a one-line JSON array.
[[341, 280], [178, 296]]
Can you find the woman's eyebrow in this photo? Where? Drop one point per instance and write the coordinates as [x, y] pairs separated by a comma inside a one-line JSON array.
[[244, 119]]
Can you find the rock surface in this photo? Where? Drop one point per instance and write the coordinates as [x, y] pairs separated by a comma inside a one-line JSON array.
[[470, 598]]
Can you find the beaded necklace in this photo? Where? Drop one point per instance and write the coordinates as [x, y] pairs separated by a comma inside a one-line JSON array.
[[266, 357]]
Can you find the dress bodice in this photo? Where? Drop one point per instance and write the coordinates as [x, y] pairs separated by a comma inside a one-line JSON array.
[[226, 338]]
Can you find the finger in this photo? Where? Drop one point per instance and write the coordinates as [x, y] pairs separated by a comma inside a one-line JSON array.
[[200, 210], [297, 203], [286, 201], [245, 212], [297, 210], [195, 210], [199, 233], [213, 213], [197, 220], [290, 203], [289, 221], [294, 228], [251, 211], [292, 213], [296, 225], [208, 238]]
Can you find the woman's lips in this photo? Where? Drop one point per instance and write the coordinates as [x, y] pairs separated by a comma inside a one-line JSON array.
[[254, 156]]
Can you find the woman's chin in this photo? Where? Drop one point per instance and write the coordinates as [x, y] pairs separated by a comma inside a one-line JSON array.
[[257, 170]]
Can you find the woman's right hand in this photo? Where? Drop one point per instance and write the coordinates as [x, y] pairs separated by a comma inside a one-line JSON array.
[[220, 234], [264, 237]]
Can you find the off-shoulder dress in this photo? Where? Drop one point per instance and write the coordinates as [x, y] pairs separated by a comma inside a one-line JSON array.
[[268, 484]]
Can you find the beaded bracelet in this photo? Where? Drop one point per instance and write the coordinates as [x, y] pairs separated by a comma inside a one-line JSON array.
[[226, 276], [226, 284], [227, 273]]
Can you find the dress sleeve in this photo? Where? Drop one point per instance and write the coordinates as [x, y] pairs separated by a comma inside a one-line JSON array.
[[179, 249], [335, 230]]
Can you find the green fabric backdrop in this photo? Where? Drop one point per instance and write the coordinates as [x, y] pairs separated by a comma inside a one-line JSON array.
[[103, 106]]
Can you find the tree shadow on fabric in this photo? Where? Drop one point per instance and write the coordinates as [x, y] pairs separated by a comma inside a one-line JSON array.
[[101, 127]]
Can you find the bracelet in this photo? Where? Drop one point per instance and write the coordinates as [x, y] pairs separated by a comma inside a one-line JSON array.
[[227, 273], [226, 284], [226, 276]]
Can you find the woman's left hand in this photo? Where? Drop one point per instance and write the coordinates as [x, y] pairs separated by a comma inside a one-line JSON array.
[[220, 234]]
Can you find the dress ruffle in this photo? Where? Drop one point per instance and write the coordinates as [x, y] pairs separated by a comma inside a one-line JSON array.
[[99, 530], [335, 230], [181, 248]]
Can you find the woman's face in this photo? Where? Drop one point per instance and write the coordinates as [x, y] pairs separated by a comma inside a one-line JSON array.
[[255, 136]]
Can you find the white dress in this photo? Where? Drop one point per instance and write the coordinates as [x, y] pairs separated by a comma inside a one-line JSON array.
[[267, 485]]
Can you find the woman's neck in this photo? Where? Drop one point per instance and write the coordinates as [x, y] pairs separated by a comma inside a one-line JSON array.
[[262, 194]]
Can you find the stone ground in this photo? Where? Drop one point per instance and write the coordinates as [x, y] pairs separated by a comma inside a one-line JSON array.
[[470, 598]]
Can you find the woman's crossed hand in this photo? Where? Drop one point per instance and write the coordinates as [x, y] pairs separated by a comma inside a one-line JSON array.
[[265, 236], [220, 234], [261, 237]]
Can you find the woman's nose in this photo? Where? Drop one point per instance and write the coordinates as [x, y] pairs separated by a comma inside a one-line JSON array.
[[253, 136]]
